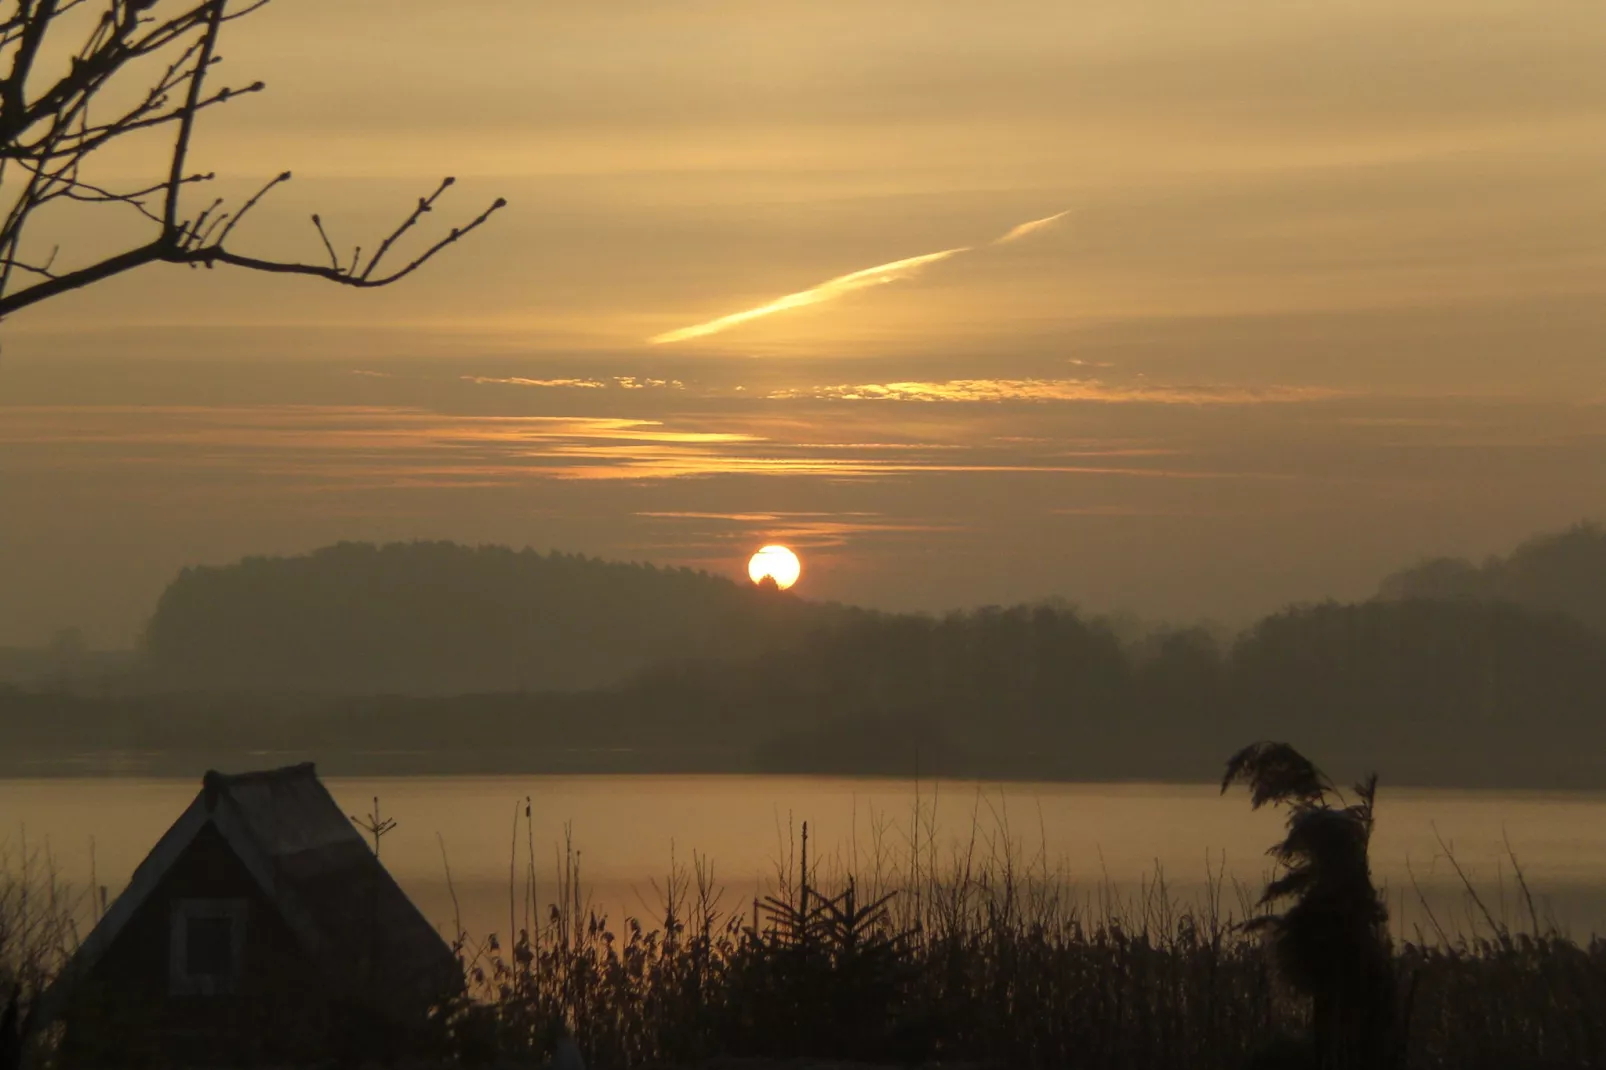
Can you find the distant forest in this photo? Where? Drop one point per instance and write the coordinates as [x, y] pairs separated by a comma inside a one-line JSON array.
[[1497, 679], [1563, 572], [439, 618]]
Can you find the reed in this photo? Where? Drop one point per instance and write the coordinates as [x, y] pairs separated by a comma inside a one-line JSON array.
[[919, 948], [983, 955], [38, 932]]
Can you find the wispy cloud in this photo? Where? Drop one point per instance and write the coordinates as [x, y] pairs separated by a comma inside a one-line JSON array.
[[1057, 390], [622, 382], [1031, 226], [1131, 511], [305, 449], [802, 529], [516, 380], [828, 290], [631, 382]]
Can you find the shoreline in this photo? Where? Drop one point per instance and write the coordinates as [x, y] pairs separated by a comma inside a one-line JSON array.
[[626, 762]]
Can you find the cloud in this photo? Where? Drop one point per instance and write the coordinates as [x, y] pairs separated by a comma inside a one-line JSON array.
[[514, 380], [828, 290], [1058, 390], [622, 382], [1031, 226], [812, 530], [309, 449], [631, 382]]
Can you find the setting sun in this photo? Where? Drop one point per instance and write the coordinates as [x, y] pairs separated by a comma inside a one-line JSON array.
[[776, 562]]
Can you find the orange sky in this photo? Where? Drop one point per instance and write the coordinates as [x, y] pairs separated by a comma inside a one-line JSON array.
[[1325, 296]]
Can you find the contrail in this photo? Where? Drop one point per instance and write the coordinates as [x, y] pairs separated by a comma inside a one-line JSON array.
[[825, 291], [1031, 227], [831, 289]]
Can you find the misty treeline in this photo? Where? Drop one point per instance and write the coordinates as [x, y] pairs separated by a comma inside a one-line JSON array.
[[1441, 690], [701, 674], [1564, 572], [437, 617]]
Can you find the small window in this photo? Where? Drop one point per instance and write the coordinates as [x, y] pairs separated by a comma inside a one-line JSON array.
[[206, 942]]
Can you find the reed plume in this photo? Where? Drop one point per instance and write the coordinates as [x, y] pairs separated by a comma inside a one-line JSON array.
[[1332, 941]]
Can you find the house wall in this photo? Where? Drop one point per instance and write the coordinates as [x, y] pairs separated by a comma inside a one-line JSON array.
[[122, 1013]]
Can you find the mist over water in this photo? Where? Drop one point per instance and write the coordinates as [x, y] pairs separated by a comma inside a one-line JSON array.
[[1111, 844]]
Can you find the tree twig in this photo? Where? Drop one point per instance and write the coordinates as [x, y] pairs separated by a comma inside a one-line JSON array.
[[48, 135], [186, 125]]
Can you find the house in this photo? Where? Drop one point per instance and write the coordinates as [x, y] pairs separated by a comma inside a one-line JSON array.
[[260, 928]]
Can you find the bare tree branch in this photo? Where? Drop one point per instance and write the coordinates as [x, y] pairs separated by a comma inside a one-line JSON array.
[[329, 246], [160, 251], [425, 204], [283, 176], [216, 254], [47, 136], [186, 124]]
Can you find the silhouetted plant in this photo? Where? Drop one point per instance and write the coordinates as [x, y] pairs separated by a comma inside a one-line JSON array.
[[985, 960], [829, 972], [15, 1022], [981, 958], [1332, 943], [37, 936]]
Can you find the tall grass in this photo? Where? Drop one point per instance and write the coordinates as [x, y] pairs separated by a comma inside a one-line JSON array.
[[912, 948], [980, 954], [38, 932]]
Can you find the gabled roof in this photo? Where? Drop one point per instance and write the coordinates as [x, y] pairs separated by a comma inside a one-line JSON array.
[[301, 850]]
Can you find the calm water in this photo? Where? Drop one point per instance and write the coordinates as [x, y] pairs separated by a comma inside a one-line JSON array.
[[1100, 838]]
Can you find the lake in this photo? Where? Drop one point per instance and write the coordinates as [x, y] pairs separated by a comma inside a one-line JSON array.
[[1103, 840]]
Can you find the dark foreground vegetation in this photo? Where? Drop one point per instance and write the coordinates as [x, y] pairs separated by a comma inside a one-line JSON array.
[[981, 957], [998, 970]]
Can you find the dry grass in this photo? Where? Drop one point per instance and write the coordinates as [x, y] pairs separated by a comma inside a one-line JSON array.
[[38, 932], [902, 953], [982, 956]]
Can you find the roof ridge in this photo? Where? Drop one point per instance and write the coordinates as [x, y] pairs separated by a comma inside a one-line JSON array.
[[284, 772], [301, 768]]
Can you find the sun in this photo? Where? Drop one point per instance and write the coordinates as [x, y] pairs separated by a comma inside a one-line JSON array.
[[776, 562]]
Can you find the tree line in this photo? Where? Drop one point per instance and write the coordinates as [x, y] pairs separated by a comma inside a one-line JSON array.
[[1563, 571], [1436, 692], [441, 618]]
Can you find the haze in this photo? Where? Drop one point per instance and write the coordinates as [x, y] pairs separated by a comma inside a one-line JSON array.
[[1325, 298]]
